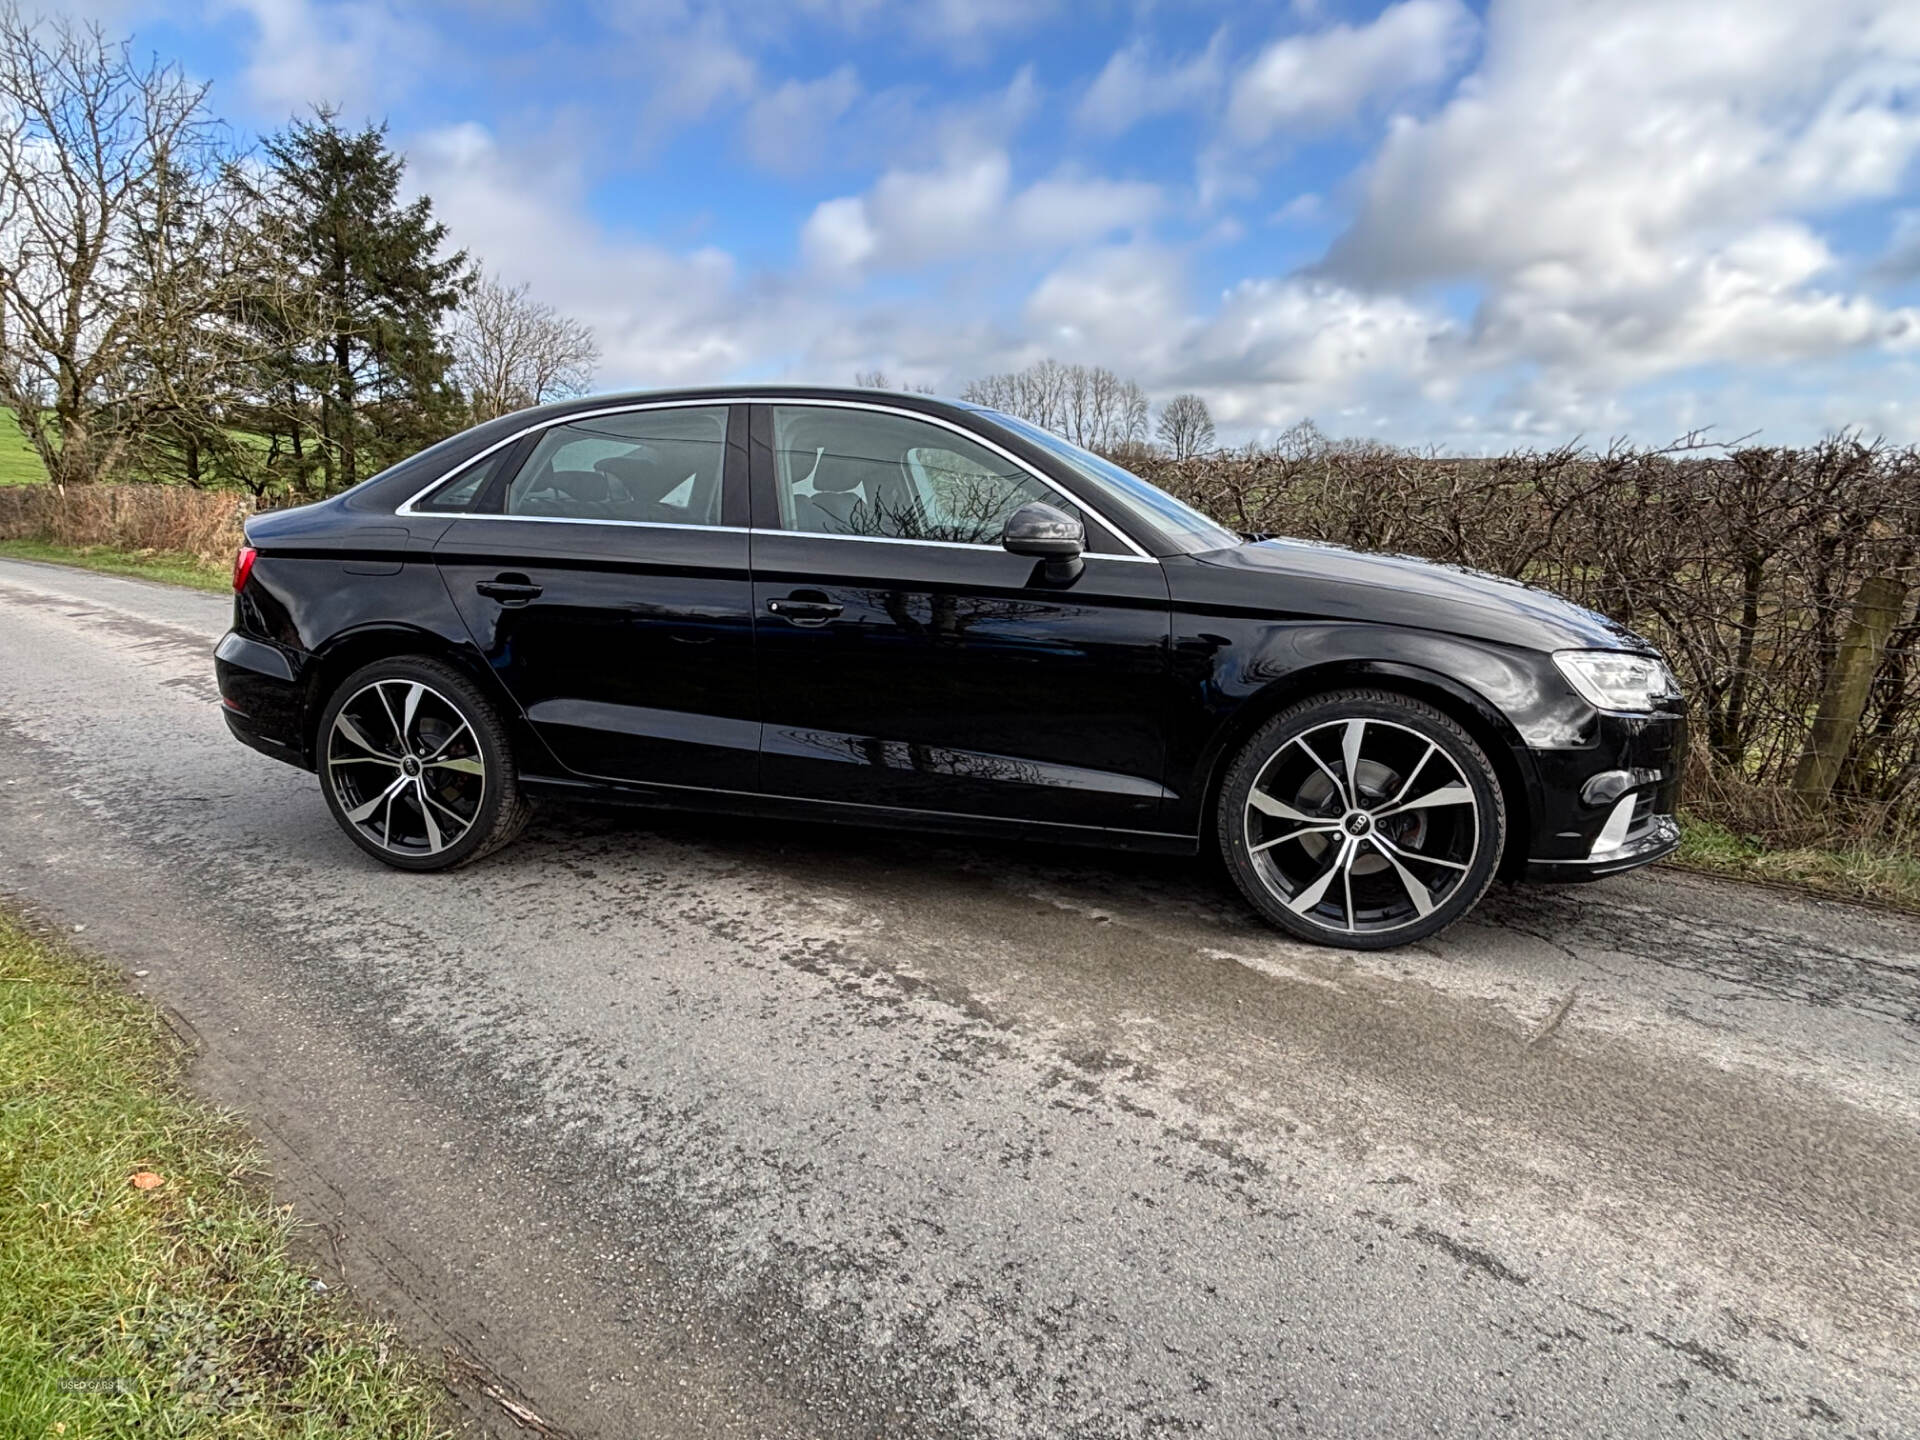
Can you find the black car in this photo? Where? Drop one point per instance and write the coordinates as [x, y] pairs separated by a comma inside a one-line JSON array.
[[896, 610]]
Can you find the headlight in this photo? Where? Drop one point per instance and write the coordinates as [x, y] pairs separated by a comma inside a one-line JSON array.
[[1616, 680]]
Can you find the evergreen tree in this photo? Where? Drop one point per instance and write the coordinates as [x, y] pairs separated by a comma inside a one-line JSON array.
[[365, 359]]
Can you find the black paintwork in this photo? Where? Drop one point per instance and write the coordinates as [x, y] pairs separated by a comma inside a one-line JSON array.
[[962, 687]]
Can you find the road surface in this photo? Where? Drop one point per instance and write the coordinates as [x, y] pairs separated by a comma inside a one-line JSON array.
[[729, 1128]]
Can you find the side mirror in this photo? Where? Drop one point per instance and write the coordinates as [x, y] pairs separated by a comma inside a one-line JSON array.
[[1047, 534]]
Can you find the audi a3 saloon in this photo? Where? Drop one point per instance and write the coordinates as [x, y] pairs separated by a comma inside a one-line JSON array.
[[896, 610]]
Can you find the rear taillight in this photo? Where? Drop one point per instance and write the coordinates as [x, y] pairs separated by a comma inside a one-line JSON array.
[[243, 567]]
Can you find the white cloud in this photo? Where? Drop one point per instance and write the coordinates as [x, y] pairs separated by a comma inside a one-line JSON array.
[[1133, 87], [1324, 77], [968, 207], [662, 317], [349, 55], [829, 123], [787, 129], [1122, 306], [1620, 221], [1632, 187], [965, 22], [1270, 352]]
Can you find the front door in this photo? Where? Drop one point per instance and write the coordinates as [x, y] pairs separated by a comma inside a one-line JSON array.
[[605, 579], [907, 660]]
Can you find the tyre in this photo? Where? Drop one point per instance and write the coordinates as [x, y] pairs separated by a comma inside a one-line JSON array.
[[416, 766], [1361, 818]]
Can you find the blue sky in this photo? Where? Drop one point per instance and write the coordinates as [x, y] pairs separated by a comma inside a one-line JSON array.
[[1465, 225]]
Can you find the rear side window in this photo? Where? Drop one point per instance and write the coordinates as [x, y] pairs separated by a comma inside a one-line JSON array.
[[662, 467]]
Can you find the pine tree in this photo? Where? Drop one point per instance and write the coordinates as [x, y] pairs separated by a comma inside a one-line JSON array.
[[369, 361]]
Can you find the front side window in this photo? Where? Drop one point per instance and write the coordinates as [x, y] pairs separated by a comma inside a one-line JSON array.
[[663, 467], [865, 472]]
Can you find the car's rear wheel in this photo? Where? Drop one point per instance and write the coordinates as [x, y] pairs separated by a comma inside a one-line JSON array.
[[1362, 818], [416, 766]]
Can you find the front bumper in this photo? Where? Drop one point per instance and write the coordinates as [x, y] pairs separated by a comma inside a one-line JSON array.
[[1659, 839], [1609, 806], [260, 696]]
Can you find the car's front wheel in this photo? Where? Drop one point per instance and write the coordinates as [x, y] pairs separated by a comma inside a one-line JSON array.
[[1362, 818], [416, 766]]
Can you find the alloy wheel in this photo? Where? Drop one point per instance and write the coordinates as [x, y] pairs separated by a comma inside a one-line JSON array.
[[406, 767], [1361, 826]]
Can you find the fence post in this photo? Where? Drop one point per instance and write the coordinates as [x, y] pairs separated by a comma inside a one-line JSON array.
[[1877, 607]]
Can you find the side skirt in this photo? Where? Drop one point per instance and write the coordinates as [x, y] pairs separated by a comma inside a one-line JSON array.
[[843, 812]]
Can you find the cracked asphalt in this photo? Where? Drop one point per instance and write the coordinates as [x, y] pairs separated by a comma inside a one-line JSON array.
[[724, 1128]]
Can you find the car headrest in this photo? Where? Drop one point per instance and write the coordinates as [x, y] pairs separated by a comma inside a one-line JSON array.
[[589, 486], [836, 473], [645, 478]]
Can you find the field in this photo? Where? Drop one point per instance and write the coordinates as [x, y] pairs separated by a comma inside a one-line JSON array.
[[19, 465]]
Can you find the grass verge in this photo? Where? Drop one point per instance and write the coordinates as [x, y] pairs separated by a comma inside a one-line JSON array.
[[167, 565], [1849, 872], [145, 1282]]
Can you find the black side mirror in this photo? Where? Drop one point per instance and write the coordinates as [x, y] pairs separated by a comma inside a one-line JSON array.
[[1047, 534]]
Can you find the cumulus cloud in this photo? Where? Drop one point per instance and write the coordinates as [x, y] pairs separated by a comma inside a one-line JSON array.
[[1329, 76], [662, 317], [351, 55], [1134, 86], [1625, 217], [1270, 350], [786, 129], [958, 21], [967, 206], [1631, 187]]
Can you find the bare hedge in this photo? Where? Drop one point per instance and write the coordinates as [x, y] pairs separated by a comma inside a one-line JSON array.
[[1766, 574], [176, 518]]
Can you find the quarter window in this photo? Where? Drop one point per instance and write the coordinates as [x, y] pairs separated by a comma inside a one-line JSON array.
[[459, 494], [864, 472], [658, 466]]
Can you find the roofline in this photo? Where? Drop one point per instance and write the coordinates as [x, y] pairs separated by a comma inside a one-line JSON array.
[[905, 399]]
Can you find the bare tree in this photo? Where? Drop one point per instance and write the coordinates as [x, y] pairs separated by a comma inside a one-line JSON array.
[[510, 351], [877, 380], [114, 247], [1186, 427], [1090, 405]]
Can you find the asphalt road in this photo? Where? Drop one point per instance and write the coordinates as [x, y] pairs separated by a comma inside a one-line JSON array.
[[716, 1128]]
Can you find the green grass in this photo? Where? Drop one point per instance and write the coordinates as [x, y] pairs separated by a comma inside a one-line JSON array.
[[172, 567], [173, 1310], [1852, 872], [19, 461]]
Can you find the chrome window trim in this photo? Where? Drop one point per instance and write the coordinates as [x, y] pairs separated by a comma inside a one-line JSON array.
[[406, 507], [943, 544], [583, 520]]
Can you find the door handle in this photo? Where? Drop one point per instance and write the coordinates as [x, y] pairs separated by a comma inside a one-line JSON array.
[[806, 608], [509, 589]]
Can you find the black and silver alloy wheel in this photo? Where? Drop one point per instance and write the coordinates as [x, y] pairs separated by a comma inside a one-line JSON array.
[[1363, 819], [415, 766]]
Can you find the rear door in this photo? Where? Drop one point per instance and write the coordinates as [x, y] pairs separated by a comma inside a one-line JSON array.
[[601, 567], [907, 660]]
